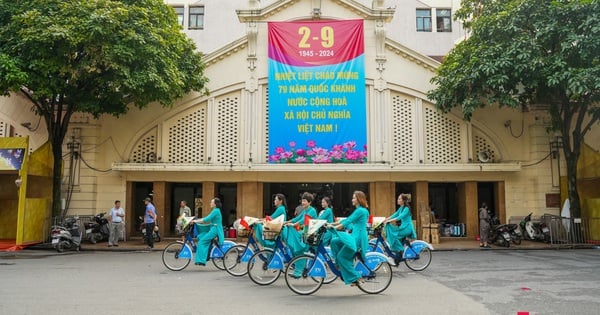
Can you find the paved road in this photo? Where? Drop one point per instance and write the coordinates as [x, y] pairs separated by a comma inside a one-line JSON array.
[[457, 282]]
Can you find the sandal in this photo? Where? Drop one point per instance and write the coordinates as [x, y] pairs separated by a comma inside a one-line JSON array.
[[355, 283]]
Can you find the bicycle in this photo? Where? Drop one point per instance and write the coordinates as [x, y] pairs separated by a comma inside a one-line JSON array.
[[177, 255], [237, 257], [265, 266], [376, 271], [416, 254]]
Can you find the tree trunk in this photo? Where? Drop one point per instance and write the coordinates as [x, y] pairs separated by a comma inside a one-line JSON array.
[[56, 177], [571, 159]]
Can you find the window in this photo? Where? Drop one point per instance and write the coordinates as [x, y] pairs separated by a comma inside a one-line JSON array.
[[196, 18], [443, 20], [179, 11], [423, 20]]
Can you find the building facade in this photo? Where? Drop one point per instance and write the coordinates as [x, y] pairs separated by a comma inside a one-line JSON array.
[[218, 145]]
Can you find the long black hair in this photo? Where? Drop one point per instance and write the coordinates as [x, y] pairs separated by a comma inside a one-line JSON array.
[[218, 202], [282, 198]]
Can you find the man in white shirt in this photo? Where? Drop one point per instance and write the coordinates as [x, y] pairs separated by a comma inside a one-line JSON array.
[[117, 215]]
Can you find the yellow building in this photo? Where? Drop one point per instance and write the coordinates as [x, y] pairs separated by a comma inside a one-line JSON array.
[[218, 145]]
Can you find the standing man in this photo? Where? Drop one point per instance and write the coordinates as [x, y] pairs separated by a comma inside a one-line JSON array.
[[149, 220], [184, 211], [116, 228]]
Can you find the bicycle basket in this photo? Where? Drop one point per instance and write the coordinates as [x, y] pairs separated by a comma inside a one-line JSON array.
[[270, 235]]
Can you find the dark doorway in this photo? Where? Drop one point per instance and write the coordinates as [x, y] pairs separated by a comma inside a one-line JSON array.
[[340, 194], [485, 193], [227, 192], [191, 193], [443, 201], [141, 190]]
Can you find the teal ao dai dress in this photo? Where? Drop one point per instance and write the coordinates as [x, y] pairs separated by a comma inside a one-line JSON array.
[[395, 233], [207, 234], [345, 245]]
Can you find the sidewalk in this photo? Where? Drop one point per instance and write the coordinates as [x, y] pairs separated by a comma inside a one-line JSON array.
[[137, 244]]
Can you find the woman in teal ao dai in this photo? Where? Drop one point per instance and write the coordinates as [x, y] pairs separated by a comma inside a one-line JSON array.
[[344, 246], [327, 215], [208, 232], [401, 225], [280, 205], [293, 237]]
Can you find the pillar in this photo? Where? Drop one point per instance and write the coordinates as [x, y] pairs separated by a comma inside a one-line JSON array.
[[420, 202], [160, 201], [500, 202], [249, 199], [468, 208], [381, 199], [208, 193]]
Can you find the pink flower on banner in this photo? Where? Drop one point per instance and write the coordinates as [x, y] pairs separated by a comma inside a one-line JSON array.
[[336, 155], [300, 152], [350, 144], [292, 144], [301, 159], [286, 155], [337, 147], [274, 158], [279, 150], [321, 159], [311, 144]]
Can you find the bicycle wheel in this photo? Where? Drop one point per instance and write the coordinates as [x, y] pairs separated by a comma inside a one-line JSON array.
[[233, 263], [378, 281], [258, 268], [422, 260], [298, 280], [219, 262], [171, 259], [330, 277]]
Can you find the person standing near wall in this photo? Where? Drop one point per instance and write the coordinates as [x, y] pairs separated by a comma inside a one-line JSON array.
[[149, 220], [117, 215], [484, 226]]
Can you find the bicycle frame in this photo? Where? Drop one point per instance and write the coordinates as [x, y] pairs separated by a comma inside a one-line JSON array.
[[251, 247], [365, 268], [214, 251], [281, 255], [411, 249]]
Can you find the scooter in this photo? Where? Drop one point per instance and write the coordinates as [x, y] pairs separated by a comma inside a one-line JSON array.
[[67, 236], [142, 229], [499, 233], [533, 230], [98, 230]]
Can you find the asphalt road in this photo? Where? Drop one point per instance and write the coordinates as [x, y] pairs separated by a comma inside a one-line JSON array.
[[457, 282]]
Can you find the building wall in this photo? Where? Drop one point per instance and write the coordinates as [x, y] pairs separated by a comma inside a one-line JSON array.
[[223, 137]]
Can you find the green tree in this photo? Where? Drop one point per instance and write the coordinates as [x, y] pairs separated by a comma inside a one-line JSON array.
[[523, 52], [93, 56]]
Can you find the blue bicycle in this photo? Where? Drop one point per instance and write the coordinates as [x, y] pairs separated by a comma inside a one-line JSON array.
[[416, 254], [376, 271], [237, 257], [177, 255], [265, 266]]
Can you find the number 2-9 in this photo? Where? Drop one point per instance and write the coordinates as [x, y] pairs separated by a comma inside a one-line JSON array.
[[326, 37]]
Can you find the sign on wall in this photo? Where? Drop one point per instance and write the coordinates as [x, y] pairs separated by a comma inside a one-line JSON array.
[[317, 106], [11, 159]]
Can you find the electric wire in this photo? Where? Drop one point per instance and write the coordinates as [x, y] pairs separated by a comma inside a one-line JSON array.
[[93, 168], [538, 162]]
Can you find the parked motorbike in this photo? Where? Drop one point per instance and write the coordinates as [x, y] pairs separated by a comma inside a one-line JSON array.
[[97, 230], [516, 234], [499, 233], [142, 229], [67, 236], [536, 231]]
